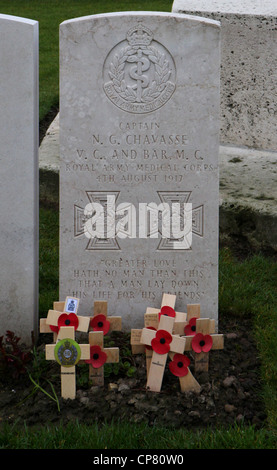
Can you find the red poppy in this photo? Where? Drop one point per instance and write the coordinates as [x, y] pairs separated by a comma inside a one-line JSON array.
[[97, 357], [161, 342], [201, 343], [54, 328], [190, 328], [68, 319], [150, 328], [179, 365], [100, 323], [168, 311]]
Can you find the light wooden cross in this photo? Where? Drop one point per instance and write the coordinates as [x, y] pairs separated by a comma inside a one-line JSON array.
[[109, 323], [44, 327], [99, 356], [151, 320], [70, 305], [174, 344], [67, 352], [188, 383], [151, 317], [204, 326], [181, 319]]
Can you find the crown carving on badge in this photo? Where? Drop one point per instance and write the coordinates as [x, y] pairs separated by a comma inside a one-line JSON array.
[[139, 36]]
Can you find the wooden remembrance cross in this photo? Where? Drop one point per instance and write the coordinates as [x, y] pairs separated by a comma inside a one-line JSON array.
[[158, 361], [202, 342], [67, 352], [99, 356], [101, 324], [64, 314], [151, 317], [152, 314], [44, 327], [165, 343], [151, 320]]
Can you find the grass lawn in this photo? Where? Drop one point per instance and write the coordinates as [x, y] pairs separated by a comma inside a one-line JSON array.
[[130, 436], [245, 288]]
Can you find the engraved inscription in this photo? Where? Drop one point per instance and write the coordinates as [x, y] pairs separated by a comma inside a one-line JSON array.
[[140, 279], [139, 73]]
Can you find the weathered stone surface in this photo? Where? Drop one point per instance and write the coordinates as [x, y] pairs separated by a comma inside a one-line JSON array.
[[139, 121], [248, 65], [19, 176]]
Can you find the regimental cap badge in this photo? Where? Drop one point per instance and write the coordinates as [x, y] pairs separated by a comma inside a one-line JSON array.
[[67, 352], [139, 72], [139, 35]]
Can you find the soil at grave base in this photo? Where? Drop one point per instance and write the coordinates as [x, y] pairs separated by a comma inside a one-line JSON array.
[[230, 392]]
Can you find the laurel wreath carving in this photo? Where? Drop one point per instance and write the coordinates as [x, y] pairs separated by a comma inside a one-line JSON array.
[[161, 75]]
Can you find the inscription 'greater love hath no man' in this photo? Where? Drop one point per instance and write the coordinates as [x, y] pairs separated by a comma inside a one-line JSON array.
[[139, 101], [139, 279]]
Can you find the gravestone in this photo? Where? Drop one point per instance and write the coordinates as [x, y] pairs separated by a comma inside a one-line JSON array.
[[248, 67], [139, 125], [19, 176]]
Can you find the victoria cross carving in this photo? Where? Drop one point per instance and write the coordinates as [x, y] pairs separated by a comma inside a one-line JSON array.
[[139, 72], [110, 213]]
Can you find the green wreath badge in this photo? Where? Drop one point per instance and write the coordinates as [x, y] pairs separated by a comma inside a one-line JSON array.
[[67, 352]]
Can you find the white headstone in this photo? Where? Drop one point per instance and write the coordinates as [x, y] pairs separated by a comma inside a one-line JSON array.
[[19, 176], [139, 124], [248, 67]]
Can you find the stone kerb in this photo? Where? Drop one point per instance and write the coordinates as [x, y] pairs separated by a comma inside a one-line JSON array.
[[248, 68]]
